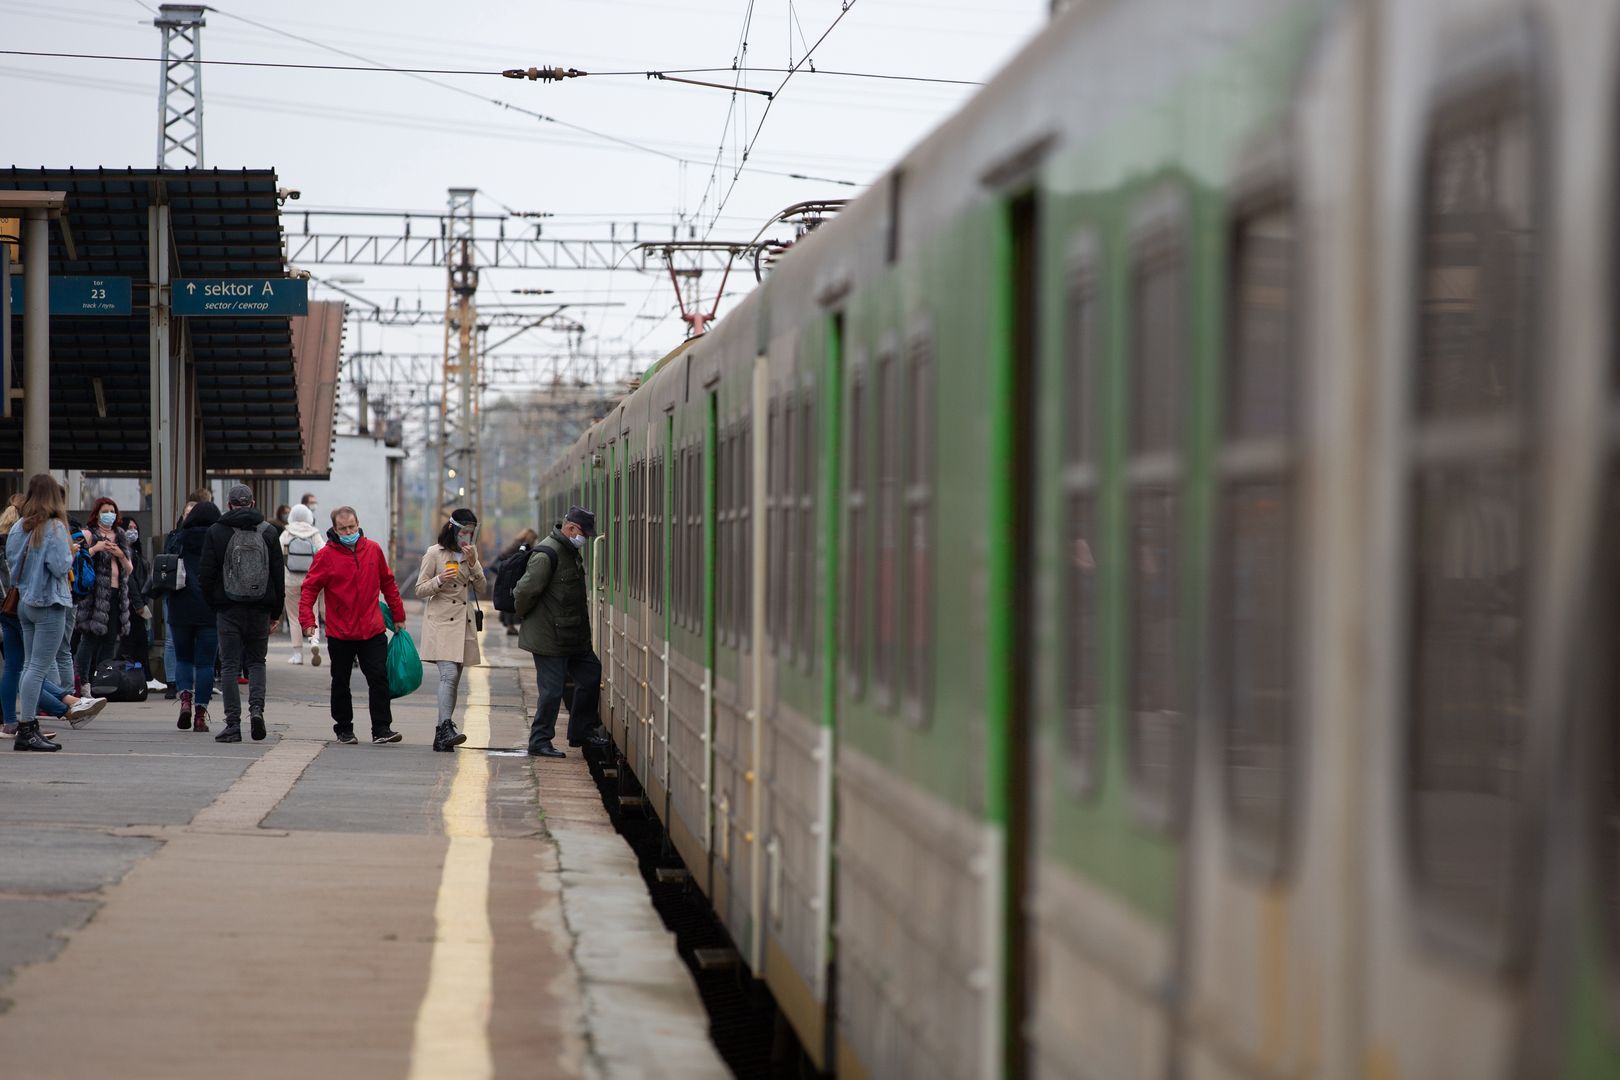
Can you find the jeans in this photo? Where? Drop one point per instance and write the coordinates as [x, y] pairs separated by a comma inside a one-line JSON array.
[[372, 654], [244, 639], [11, 640], [42, 630], [449, 685], [169, 661], [551, 672], [194, 651]]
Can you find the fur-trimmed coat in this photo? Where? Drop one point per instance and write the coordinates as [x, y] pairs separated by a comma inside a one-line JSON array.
[[106, 607]]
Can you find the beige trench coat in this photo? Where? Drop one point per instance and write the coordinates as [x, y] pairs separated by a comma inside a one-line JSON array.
[[448, 632]]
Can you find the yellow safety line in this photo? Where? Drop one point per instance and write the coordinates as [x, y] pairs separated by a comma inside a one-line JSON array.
[[452, 1024]]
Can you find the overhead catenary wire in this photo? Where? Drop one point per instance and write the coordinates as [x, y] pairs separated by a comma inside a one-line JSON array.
[[666, 74]]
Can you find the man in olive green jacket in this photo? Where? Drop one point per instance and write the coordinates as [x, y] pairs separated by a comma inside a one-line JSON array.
[[553, 599]]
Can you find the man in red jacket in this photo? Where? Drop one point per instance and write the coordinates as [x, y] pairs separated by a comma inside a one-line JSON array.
[[352, 571]]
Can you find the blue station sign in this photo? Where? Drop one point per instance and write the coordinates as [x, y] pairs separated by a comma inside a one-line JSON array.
[[239, 296], [80, 296]]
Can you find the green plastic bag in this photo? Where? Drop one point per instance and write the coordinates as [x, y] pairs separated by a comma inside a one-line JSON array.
[[404, 662]]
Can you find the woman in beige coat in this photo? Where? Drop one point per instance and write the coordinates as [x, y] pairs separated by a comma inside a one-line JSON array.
[[448, 580]]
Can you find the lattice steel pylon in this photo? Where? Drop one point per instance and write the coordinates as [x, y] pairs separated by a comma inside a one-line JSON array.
[[180, 100], [459, 474]]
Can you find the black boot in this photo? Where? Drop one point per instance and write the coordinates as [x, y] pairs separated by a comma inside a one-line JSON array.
[[446, 737], [232, 732], [29, 738]]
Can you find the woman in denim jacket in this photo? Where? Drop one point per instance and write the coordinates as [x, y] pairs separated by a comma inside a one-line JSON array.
[[39, 556]]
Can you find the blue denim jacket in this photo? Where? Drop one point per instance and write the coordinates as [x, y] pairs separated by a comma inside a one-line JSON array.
[[42, 576]]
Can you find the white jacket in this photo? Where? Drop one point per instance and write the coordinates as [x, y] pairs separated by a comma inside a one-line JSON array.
[[300, 525]]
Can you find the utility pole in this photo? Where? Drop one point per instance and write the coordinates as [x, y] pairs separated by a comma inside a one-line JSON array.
[[180, 100], [458, 416]]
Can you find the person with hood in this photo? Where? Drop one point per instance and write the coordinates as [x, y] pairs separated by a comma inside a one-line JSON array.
[[448, 580], [192, 624], [103, 611], [553, 600], [241, 575], [352, 571], [170, 690], [301, 541]]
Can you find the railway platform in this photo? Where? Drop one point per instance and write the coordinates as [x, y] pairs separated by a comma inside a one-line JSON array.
[[175, 907]]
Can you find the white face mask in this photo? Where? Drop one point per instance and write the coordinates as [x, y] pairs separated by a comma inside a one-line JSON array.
[[577, 541]]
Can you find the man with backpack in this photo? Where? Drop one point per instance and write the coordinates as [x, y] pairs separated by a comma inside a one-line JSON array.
[[553, 599], [241, 576]]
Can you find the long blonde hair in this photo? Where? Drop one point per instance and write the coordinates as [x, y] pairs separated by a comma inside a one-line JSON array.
[[12, 512], [45, 501]]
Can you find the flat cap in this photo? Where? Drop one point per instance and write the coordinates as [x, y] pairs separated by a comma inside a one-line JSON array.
[[583, 518]]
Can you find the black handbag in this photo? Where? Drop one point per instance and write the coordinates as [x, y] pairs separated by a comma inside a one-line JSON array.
[[168, 574]]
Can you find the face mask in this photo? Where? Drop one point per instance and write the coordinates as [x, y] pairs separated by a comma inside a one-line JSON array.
[[350, 540], [577, 541], [133, 535], [108, 517]]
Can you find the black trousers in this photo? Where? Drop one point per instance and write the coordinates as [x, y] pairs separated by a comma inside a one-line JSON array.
[[372, 655], [551, 672]]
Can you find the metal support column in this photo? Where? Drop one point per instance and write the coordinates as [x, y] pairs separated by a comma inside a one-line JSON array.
[[165, 466], [180, 100], [36, 343]]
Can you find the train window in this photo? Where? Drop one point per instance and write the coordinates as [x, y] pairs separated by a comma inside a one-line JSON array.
[[855, 591], [725, 580], [744, 568], [697, 573], [1158, 336], [1254, 594], [917, 566], [790, 532], [1155, 713], [1080, 475], [886, 643], [677, 537], [776, 534], [1469, 503], [655, 536], [805, 528], [1158, 322]]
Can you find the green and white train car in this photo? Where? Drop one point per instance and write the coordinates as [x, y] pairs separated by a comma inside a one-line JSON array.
[[1135, 595]]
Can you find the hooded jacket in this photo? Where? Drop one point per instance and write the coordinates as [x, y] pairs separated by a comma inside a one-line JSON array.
[[300, 526], [211, 567], [352, 579], [189, 606]]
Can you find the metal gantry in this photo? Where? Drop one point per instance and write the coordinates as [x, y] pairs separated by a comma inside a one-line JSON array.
[[458, 408], [180, 93]]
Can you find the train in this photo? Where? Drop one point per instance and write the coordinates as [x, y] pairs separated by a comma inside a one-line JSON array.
[[1134, 595]]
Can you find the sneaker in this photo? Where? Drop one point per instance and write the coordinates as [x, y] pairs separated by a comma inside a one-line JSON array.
[[386, 735], [241, 680], [85, 710], [184, 723], [256, 723], [232, 733], [8, 731], [295, 659], [347, 738], [315, 656]]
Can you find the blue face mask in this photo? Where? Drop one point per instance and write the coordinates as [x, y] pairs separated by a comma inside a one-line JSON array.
[[350, 540], [577, 541], [108, 517]]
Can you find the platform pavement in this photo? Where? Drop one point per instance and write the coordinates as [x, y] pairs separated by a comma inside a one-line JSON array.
[[175, 907]]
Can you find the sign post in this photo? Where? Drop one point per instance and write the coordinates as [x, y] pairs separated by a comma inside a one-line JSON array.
[[239, 296], [82, 295]]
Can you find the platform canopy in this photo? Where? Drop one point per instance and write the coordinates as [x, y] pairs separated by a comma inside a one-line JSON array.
[[224, 223]]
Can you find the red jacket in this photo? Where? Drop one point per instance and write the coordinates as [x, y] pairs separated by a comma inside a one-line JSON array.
[[352, 578]]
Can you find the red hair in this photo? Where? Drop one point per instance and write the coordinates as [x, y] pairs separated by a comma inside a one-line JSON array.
[[95, 511]]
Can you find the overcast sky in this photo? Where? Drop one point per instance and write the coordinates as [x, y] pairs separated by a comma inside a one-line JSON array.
[[388, 141]]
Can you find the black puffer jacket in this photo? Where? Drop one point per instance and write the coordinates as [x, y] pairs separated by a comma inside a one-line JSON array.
[[189, 606]]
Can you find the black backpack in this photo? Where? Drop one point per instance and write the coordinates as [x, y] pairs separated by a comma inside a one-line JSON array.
[[168, 574], [119, 680], [510, 573]]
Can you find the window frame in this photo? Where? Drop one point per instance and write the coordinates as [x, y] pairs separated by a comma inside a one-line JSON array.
[[1242, 460], [852, 563], [918, 463], [1489, 81], [889, 447], [1081, 472], [1160, 235]]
